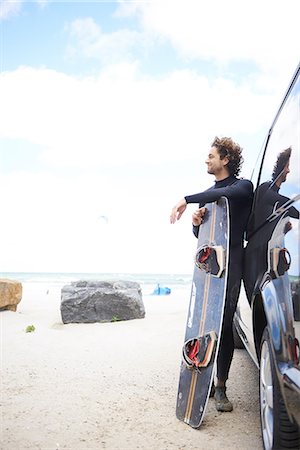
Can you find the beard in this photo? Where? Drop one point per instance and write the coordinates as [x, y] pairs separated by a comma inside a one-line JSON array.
[[210, 171]]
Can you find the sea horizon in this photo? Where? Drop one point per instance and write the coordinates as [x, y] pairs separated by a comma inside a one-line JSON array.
[[163, 279]]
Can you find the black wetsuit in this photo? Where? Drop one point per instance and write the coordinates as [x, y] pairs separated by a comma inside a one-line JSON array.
[[240, 195], [267, 199]]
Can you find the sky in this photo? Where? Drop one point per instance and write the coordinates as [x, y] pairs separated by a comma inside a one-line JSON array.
[[107, 113]]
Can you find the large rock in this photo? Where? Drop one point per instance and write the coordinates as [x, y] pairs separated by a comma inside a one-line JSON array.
[[101, 301], [10, 294]]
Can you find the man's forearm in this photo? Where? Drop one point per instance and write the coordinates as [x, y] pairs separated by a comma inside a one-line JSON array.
[[236, 190]]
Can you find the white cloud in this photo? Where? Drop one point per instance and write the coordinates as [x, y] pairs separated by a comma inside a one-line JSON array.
[[122, 116], [42, 3], [53, 225], [86, 39], [9, 8], [265, 33]]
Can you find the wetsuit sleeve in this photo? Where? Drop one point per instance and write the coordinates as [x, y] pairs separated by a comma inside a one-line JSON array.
[[239, 189], [196, 230], [294, 213], [273, 198]]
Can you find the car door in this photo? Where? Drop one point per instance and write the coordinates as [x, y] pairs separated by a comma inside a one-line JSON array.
[[277, 180]]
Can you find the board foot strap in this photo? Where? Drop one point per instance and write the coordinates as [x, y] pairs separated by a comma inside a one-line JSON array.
[[198, 352], [211, 259]]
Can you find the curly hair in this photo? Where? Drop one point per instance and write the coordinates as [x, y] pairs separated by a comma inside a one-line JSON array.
[[282, 160], [227, 147]]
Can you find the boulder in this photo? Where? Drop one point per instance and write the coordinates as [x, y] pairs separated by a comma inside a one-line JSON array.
[[10, 294], [101, 301]]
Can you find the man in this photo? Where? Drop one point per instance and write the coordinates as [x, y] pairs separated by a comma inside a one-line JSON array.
[[224, 162]]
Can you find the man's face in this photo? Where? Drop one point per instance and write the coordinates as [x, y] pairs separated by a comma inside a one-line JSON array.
[[215, 164]]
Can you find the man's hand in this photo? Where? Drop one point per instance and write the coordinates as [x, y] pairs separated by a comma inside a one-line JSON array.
[[178, 210], [197, 217]]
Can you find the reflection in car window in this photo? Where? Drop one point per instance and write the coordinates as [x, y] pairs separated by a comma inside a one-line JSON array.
[[286, 135], [277, 196], [280, 181]]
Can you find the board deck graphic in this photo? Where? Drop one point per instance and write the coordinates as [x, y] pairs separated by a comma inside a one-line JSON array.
[[205, 314]]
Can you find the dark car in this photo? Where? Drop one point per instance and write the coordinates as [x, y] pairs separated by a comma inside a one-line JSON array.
[[267, 319]]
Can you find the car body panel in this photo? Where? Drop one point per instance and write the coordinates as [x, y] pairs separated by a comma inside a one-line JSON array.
[[271, 293]]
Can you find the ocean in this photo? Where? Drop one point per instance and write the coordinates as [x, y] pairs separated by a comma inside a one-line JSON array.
[[147, 281]]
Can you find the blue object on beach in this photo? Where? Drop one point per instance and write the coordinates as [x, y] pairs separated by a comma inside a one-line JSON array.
[[161, 290]]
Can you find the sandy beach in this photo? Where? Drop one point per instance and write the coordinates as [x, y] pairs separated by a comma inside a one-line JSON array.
[[110, 386]]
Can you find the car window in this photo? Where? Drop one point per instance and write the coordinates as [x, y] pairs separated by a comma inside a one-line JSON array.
[[280, 171], [279, 184], [285, 134]]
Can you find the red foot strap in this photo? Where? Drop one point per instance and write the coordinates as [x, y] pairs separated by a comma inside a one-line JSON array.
[[280, 261], [198, 352], [206, 252], [211, 259], [193, 349]]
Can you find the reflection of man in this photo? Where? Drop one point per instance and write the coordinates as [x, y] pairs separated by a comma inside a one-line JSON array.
[[224, 162], [267, 200]]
